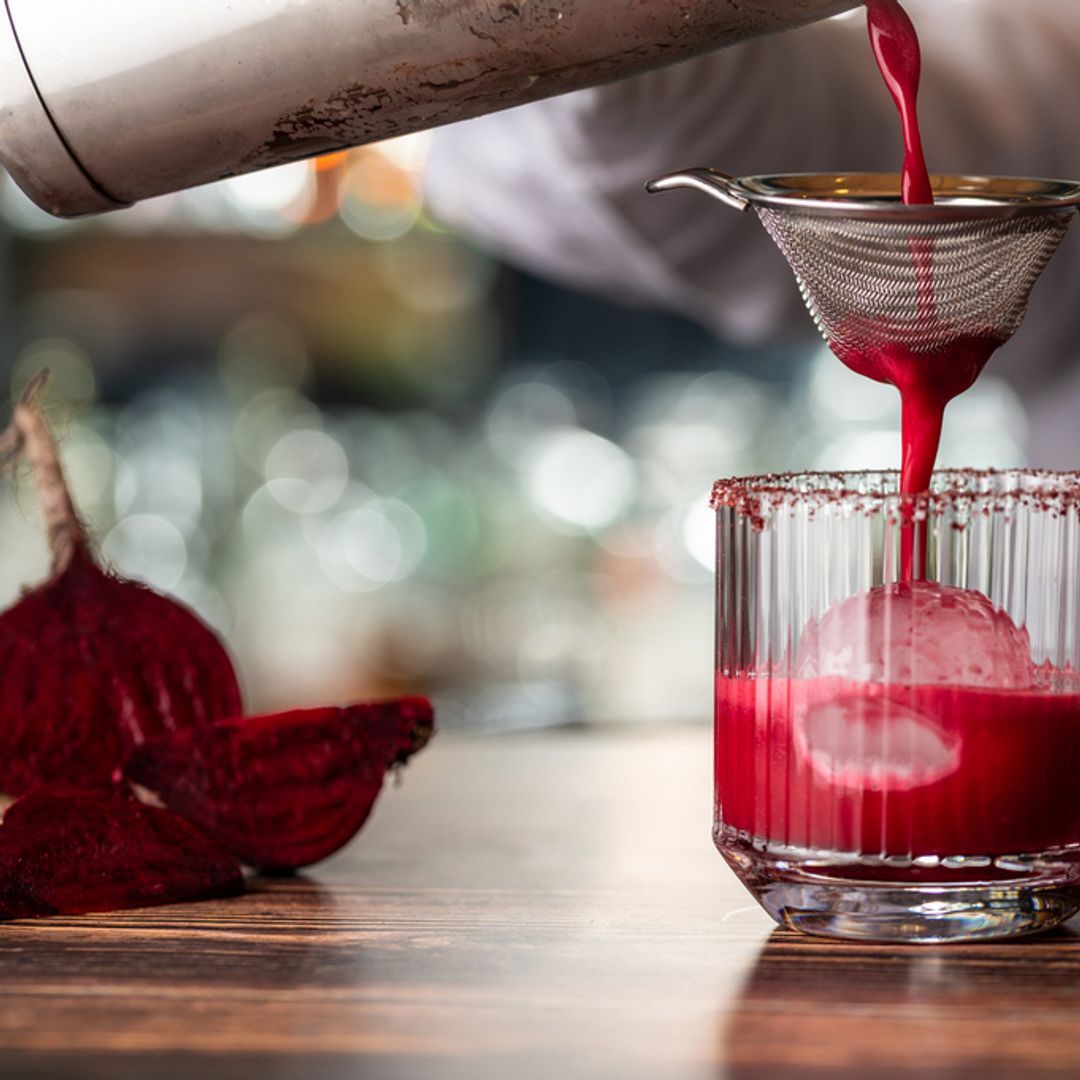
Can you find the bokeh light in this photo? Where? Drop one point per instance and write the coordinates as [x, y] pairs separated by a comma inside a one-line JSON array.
[[147, 547], [306, 471], [71, 373], [578, 480], [274, 202]]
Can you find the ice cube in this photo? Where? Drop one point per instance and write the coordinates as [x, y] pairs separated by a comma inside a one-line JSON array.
[[918, 633], [875, 744]]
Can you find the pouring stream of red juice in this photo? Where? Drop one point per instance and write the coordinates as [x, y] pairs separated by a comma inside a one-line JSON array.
[[927, 381], [896, 49]]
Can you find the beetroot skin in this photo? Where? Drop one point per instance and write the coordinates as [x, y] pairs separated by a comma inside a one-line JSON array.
[[65, 851], [131, 664], [288, 789], [92, 664]]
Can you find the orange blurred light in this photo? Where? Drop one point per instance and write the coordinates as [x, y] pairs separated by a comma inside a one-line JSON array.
[[329, 162], [375, 179], [329, 171]]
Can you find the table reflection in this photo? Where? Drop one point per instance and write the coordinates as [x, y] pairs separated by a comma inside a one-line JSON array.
[[812, 1007]]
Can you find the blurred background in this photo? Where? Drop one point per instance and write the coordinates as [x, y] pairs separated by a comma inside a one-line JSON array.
[[378, 461]]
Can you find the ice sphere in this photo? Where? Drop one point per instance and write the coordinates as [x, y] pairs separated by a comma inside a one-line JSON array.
[[874, 743], [918, 633]]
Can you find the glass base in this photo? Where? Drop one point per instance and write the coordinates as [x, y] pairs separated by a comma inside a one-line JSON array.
[[922, 901]]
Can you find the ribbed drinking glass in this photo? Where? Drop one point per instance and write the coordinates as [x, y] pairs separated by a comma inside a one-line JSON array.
[[900, 760]]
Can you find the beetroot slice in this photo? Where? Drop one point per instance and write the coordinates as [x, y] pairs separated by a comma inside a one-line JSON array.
[[287, 789], [66, 851], [92, 664]]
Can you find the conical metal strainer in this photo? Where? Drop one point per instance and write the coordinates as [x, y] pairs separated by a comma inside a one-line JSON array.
[[876, 273]]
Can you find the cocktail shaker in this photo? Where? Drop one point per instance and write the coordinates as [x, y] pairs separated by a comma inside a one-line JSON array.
[[106, 102]]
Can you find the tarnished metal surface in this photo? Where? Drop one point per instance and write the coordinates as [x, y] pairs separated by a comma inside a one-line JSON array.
[[156, 96], [30, 146]]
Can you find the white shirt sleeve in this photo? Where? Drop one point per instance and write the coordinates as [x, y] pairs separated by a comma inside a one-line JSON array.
[[556, 186]]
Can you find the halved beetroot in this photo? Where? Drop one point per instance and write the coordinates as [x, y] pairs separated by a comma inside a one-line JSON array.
[[92, 664], [287, 789], [66, 851]]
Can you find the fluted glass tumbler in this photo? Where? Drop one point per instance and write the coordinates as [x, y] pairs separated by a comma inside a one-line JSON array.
[[898, 701]]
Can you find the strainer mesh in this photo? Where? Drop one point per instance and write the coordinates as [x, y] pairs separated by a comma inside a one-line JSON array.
[[919, 285]]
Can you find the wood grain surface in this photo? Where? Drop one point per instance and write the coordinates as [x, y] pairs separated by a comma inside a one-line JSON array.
[[524, 906]]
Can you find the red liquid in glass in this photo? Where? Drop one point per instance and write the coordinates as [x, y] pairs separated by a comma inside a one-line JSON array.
[[872, 769]]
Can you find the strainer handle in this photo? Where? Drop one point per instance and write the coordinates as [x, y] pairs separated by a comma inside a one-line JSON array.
[[713, 182]]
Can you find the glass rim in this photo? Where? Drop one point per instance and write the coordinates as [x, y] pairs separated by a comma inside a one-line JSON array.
[[814, 489]]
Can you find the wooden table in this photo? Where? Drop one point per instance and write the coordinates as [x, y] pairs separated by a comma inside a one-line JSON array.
[[524, 906]]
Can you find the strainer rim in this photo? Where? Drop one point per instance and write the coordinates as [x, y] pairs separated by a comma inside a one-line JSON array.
[[958, 195]]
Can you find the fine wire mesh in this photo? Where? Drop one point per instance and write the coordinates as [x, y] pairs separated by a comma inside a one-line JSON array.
[[919, 285]]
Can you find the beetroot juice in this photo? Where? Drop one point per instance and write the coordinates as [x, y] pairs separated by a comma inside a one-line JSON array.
[[919, 775], [899, 58], [927, 381]]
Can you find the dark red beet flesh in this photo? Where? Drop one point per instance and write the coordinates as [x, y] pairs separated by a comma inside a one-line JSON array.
[[65, 851], [288, 789]]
